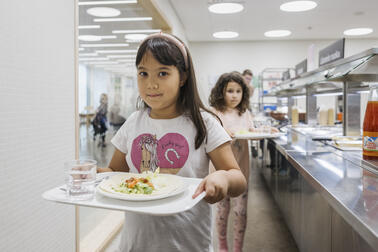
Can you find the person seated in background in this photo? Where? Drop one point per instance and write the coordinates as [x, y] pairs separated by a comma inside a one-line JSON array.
[[100, 120]]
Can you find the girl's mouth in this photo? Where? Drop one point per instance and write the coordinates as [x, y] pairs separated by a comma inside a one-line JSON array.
[[154, 95]]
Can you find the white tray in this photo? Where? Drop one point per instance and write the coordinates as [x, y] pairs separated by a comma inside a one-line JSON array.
[[257, 136], [167, 206]]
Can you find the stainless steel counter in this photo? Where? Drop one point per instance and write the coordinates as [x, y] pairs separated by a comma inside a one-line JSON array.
[[348, 184]]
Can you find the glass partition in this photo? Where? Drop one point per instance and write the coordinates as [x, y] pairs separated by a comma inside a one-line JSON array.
[[107, 93]]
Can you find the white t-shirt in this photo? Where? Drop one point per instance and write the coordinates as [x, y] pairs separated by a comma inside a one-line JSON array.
[[168, 144]]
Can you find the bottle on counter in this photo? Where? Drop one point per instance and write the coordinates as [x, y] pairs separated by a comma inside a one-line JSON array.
[[370, 127], [294, 116], [331, 117], [322, 117]]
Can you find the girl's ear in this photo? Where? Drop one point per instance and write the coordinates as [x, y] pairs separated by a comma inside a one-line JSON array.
[[183, 79]]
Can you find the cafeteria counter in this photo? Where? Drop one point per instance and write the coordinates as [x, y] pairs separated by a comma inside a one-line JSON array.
[[329, 198]]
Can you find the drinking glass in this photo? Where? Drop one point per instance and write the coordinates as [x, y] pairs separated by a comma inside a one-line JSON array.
[[80, 179]]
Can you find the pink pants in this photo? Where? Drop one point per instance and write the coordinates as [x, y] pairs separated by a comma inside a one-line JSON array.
[[240, 221]]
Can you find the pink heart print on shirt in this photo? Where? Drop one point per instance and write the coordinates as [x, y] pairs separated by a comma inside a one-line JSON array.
[[169, 153]]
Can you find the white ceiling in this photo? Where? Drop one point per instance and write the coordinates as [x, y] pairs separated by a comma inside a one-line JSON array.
[[106, 29], [327, 21]]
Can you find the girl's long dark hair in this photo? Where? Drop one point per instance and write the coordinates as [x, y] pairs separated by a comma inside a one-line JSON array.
[[167, 53], [216, 98]]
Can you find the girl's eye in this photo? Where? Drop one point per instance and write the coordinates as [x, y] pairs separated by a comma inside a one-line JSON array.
[[142, 73], [161, 74]]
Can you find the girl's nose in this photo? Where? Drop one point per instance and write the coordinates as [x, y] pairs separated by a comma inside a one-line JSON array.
[[152, 84]]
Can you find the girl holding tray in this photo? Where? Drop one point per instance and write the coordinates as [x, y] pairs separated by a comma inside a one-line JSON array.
[[174, 132], [230, 101]]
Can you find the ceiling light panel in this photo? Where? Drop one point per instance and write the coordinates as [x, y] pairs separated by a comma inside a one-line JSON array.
[[121, 56], [88, 54], [103, 12], [104, 45], [107, 2], [93, 59], [277, 33], [137, 31], [298, 6], [116, 51], [89, 38], [89, 27], [225, 34], [131, 19], [358, 31], [226, 8], [136, 37]]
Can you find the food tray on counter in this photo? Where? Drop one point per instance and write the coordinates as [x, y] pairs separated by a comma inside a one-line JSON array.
[[257, 136], [161, 207], [346, 145]]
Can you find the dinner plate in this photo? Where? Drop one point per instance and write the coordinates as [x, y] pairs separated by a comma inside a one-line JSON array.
[[175, 185]]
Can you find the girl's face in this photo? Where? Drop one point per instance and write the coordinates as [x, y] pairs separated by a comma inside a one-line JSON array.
[[233, 94], [159, 86]]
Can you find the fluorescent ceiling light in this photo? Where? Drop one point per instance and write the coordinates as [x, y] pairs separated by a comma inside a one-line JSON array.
[[103, 63], [132, 41], [95, 38], [297, 6], [138, 31], [358, 31], [225, 34], [277, 33], [130, 61], [225, 8], [121, 56], [89, 38], [131, 19], [104, 45], [93, 59], [88, 54], [103, 12], [299, 96], [107, 2], [329, 94], [81, 49], [89, 26], [116, 51], [136, 37]]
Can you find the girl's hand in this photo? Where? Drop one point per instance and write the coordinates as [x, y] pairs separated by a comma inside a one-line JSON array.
[[274, 130], [215, 185], [251, 129], [106, 169]]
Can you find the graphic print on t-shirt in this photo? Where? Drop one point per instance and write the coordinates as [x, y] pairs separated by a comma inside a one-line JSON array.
[[169, 152]]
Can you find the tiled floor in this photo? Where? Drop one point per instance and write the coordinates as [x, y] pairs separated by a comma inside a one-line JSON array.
[[266, 230]]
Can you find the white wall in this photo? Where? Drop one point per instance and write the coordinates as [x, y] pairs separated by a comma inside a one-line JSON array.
[[214, 58], [37, 123]]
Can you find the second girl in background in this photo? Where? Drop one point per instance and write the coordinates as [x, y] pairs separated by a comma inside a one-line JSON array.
[[230, 100]]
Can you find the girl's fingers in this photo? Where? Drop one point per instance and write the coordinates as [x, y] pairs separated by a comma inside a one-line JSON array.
[[199, 190]]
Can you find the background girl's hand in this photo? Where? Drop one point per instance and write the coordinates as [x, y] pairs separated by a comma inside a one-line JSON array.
[[251, 129], [215, 185]]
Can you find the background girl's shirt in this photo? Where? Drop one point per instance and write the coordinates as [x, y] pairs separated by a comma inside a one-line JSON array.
[[234, 122], [168, 144]]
